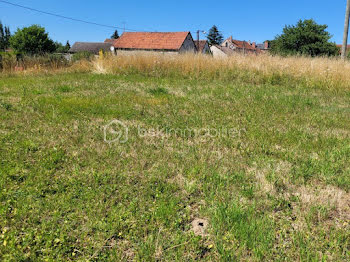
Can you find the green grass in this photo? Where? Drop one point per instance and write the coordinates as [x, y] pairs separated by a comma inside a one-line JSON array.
[[274, 190]]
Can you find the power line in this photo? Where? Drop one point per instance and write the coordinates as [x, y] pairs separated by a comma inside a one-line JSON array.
[[66, 17]]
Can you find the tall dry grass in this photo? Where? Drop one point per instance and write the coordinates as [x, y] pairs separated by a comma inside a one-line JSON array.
[[9, 62], [262, 69], [323, 72]]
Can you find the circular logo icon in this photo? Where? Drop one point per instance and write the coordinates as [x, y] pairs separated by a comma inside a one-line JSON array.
[[115, 131]]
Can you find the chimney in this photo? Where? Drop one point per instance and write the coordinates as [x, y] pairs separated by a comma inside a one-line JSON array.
[[266, 45], [254, 45]]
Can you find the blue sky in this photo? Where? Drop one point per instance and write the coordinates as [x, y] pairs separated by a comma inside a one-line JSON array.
[[255, 20]]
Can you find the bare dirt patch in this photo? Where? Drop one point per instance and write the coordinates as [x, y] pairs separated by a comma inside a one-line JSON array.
[[200, 226]]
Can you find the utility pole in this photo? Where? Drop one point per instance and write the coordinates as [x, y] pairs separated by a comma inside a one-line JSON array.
[[125, 23], [346, 31], [198, 32]]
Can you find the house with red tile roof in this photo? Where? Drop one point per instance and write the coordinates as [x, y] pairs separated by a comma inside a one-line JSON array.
[[266, 46], [165, 42], [240, 46]]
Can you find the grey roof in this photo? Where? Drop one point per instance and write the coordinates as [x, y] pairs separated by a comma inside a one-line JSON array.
[[226, 50], [90, 47]]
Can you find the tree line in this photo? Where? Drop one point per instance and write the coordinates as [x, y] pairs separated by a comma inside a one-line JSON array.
[[30, 40], [305, 38]]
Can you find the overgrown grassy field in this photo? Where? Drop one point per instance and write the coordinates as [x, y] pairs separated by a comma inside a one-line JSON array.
[[273, 188]]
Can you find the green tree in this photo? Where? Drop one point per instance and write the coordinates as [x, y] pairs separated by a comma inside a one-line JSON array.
[[32, 40], [67, 45], [60, 48], [214, 36], [115, 35], [5, 36], [305, 38]]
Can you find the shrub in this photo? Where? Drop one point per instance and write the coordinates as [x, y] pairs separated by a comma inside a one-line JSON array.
[[10, 60], [49, 61], [82, 56]]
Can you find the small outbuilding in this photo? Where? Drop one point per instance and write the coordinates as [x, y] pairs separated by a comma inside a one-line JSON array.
[[202, 47], [93, 48]]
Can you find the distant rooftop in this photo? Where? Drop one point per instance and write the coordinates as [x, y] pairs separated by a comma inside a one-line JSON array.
[[201, 46], [90, 47]]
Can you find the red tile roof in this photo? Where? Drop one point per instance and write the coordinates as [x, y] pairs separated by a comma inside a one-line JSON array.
[[241, 44], [202, 44], [340, 46], [108, 40], [151, 40]]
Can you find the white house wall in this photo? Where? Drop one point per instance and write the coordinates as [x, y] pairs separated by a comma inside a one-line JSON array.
[[217, 53]]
